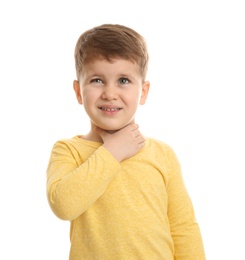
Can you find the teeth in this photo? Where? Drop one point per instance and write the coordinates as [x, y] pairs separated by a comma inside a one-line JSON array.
[[109, 109]]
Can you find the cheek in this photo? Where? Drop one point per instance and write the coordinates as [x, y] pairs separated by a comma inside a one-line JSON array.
[[137, 96], [90, 95], [134, 98]]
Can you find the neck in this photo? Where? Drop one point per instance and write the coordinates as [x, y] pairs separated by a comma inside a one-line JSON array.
[[91, 136]]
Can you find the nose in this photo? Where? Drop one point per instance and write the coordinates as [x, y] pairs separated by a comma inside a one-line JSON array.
[[109, 92]]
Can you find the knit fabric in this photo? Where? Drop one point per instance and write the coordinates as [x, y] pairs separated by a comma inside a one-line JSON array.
[[136, 209]]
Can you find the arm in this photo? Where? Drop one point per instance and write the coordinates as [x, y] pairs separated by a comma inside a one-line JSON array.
[[72, 189], [184, 228]]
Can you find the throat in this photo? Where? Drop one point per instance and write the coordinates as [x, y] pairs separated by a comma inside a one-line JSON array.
[[111, 131]]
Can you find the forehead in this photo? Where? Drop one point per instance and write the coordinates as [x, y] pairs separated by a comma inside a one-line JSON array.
[[111, 67]]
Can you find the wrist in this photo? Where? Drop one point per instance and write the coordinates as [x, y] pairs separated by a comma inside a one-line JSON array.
[[114, 152]]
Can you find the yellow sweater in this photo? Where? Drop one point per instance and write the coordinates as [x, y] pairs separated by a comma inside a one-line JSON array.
[[133, 210]]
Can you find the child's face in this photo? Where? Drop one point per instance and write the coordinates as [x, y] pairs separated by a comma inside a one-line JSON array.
[[111, 92]]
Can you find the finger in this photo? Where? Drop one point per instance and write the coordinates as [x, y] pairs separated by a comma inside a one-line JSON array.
[[136, 133], [141, 139], [141, 143], [133, 126]]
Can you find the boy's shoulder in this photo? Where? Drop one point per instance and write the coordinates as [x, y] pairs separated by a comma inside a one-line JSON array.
[[66, 141], [158, 144], [75, 144], [76, 140], [160, 153]]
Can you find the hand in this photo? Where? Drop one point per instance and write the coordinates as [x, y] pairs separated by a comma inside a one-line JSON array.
[[123, 143]]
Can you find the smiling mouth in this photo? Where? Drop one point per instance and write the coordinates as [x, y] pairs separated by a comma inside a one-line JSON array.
[[110, 109]]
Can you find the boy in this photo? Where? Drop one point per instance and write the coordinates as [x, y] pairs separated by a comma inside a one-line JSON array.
[[123, 193]]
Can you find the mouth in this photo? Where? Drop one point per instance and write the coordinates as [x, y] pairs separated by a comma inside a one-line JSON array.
[[112, 109]]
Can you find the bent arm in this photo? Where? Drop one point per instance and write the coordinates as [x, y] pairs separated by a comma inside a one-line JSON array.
[[72, 188]]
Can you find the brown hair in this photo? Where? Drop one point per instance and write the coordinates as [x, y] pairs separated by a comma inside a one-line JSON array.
[[110, 41]]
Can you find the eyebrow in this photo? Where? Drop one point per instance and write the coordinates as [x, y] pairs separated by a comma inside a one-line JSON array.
[[126, 76]]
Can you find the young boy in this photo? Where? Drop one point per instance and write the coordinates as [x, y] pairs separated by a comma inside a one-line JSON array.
[[123, 193]]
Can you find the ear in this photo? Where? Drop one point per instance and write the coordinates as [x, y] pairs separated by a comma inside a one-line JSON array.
[[144, 94], [76, 87]]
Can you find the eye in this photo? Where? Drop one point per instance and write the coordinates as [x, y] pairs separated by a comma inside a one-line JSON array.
[[97, 80], [124, 81]]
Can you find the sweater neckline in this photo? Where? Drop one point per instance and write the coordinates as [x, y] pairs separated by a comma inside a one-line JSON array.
[[98, 144]]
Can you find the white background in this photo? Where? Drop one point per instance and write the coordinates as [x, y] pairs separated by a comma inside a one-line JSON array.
[[196, 104]]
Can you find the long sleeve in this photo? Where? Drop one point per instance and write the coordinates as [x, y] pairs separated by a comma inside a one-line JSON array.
[[136, 209], [184, 228], [73, 188]]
